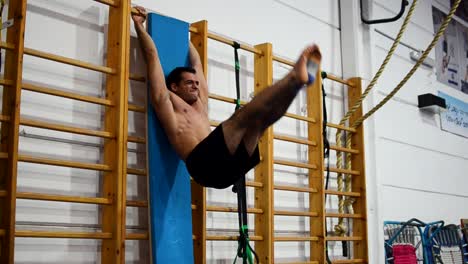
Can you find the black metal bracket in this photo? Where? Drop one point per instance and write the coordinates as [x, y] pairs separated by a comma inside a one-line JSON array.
[[404, 3]]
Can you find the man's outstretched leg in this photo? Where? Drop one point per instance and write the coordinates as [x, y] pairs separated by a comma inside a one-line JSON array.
[[248, 123]]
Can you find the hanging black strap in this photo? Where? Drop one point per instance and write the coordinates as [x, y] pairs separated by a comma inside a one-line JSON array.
[[244, 249], [326, 152], [236, 47]]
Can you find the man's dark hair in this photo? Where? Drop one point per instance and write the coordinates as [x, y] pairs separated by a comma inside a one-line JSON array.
[[175, 76]]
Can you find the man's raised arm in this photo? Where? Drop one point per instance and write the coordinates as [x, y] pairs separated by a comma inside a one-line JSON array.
[[159, 94], [197, 65]]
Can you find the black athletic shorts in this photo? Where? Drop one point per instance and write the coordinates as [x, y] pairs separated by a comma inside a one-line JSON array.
[[211, 165]]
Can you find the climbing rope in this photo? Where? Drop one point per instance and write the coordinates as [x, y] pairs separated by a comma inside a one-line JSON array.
[[415, 67], [340, 228]]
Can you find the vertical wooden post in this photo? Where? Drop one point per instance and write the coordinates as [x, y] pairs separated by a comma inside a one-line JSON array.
[[263, 75], [358, 183], [10, 130], [200, 41], [316, 181], [115, 149]]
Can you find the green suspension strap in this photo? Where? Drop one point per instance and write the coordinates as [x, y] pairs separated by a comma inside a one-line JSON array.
[[244, 249]]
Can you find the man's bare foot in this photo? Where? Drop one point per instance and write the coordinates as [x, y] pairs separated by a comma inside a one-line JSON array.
[[300, 68]]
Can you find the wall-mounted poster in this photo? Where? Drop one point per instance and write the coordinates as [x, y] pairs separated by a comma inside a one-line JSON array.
[[455, 119], [446, 51], [452, 50]]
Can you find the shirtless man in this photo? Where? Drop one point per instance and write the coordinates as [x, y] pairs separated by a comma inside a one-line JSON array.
[[219, 158]]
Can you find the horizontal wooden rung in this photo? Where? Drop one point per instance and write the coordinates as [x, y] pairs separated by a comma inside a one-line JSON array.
[[69, 95], [63, 128], [136, 203], [338, 79], [230, 42], [3, 193], [295, 140], [137, 236], [6, 82], [64, 163], [254, 184], [353, 130], [346, 150], [69, 61], [224, 99], [295, 164], [233, 238], [295, 213], [136, 108], [294, 239], [337, 215], [3, 155], [133, 139], [139, 172], [299, 262], [344, 171], [295, 189], [348, 261], [232, 209], [2, 232], [302, 118], [8, 46], [4, 118], [214, 123], [106, 2], [343, 238], [350, 194], [63, 198], [52, 234], [136, 77]]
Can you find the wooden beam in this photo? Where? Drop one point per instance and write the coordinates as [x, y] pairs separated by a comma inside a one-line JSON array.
[[264, 226], [106, 2], [316, 179], [132, 203], [296, 140], [136, 108], [302, 118], [349, 261], [64, 163], [69, 61], [345, 128], [69, 95], [56, 234], [296, 239], [139, 172], [138, 78], [358, 184], [116, 121], [234, 238], [3, 155], [296, 213], [295, 189], [200, 42], [137, 236], [232, 209], [295, 164], [230, 42], [4, 118], [344, 238], [350, 194], [6, 82], [63, 128], [345, 171], [63, 198], [9, 135]]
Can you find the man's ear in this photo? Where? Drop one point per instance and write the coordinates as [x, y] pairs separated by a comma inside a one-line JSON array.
[[173, 87]]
